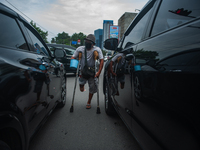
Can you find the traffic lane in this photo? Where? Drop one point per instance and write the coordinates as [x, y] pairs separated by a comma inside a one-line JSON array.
[[83, 129]]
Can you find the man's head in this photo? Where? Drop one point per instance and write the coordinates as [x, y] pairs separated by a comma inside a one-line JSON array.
[[89, 41], [91, 38]]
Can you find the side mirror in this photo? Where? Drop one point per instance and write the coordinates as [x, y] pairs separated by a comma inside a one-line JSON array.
[[111, 44], [59, 53], [151, 63], [129, 57]]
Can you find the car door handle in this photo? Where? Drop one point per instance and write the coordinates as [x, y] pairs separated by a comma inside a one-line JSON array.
[[175, 70], [30, 62], [129, 112]]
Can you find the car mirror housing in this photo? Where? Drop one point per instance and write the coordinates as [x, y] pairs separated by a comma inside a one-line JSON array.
[[128, 57], [59, 53], [111, 44]]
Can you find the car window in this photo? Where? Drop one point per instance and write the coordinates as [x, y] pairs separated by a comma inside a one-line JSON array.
[[39, 47], [11, 34], [69, 51], [190, 57], [173, 13], [138, 30], [52, 48]]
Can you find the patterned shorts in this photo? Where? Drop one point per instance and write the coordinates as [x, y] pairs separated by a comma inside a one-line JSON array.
[[91, 83]]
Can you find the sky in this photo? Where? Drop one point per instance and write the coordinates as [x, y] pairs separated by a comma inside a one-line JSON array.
[[73, 16]]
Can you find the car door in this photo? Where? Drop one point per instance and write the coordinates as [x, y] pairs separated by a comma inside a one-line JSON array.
[[128, 45], [21, 70], [167, 109], [122, 90], [52, 83]]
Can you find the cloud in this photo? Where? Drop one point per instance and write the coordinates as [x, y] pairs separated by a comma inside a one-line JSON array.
[[74, 16]]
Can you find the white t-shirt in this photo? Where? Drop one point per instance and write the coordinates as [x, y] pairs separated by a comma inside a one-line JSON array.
[[90, 55], [122, 60]]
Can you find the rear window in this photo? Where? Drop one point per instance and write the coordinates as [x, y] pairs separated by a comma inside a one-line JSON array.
[[174, 13]]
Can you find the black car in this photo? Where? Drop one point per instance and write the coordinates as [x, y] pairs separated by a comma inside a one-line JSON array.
[[29, 89], [159, 101], [58, 68], [69, 51]]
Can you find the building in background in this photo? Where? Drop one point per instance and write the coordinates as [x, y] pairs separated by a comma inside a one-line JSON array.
[[124, 21], [106, 29], [98, 37]]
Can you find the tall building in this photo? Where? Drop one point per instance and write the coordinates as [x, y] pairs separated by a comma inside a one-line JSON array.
[[124, 21], [106, 26], [98, 37]]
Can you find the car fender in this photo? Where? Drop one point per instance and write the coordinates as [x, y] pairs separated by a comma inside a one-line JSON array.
[[10, 122]]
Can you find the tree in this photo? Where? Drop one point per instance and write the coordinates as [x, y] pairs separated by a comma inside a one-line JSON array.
[[80, 36], [42, 33], [62, 38], [53, 40]]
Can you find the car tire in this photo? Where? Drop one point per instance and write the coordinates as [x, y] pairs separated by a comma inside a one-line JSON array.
[[109, 108], [10, 139], [138, 87], [4, 146], [63, 94]]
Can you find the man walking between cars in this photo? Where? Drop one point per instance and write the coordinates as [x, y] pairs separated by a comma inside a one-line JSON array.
[[89, 48]]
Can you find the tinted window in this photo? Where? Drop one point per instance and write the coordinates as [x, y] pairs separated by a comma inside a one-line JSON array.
[[10, 33], [173, 13], [69, 51], [183, 59], [137, 32], [39, 47], [51, 49]]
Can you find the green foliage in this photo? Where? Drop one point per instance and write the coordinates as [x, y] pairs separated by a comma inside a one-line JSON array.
[[142, 54], [53, 40], [80, 36], [64, 38], [42, 33]]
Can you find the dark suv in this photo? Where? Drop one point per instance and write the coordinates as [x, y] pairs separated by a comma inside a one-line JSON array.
[[159, 100], [29, 88], [69, 51]]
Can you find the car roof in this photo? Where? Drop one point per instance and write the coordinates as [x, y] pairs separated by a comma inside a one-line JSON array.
[[61, 45], [6, 9]]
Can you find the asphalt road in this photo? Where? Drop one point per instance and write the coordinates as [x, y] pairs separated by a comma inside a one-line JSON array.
[[83, 129]]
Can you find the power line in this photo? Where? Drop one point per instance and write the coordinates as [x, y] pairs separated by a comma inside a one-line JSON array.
[[29, 18], [17, 9]]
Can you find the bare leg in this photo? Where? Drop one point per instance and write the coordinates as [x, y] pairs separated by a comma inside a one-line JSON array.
[[81, 88], [90, 98], [88, 106]]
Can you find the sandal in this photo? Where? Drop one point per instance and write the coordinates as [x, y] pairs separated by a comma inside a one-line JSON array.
[[88, 106]]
